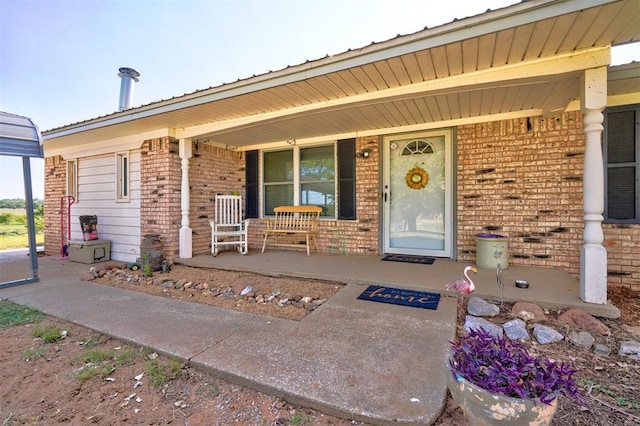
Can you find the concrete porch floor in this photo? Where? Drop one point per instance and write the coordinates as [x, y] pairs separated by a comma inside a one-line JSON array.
[[549, 288]]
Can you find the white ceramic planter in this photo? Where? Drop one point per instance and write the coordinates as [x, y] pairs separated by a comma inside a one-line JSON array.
[[482, 407]]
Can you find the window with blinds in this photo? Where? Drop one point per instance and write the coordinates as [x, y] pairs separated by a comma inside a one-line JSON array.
[[278, 180], [72, 178], [122, 176], [621, 151], [317, 178], [319, 175]]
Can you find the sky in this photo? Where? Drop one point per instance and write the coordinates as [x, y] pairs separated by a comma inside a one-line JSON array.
[[59, 59]]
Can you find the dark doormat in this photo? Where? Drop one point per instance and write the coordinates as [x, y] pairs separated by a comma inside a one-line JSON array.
[[409, 259], [398, 296]]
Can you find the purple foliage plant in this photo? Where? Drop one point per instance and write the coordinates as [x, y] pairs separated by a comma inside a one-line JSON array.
[[504, 366]]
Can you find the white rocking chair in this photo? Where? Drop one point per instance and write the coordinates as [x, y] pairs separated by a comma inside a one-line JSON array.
[[228, 228]]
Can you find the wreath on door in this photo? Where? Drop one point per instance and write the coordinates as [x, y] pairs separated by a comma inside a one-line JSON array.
[[417, 178]]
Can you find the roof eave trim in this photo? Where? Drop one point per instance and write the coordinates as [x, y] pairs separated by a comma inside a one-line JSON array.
[[508, 17]]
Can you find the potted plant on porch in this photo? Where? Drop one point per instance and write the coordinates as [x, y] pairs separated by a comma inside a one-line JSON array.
[[495, 380]]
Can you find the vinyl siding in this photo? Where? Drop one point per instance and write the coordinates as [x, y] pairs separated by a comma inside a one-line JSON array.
[[118, 221]]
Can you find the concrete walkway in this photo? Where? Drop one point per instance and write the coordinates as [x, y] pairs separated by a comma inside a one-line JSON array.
[[356, 359]]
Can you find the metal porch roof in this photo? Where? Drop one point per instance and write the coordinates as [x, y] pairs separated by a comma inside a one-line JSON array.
[[19, 136], [523, 58]]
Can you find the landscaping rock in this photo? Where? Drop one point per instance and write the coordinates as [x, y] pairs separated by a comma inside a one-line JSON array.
[[582, 339], [601, 350], [236, 291], [529, 312], [87, 276], [630, 348], [481, 308], [584, 321], [473, 323], [545, 334], [516, 329], [283, 302]]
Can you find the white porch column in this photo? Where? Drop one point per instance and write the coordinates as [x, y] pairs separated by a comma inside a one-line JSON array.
[[186, 236], [593, 255]]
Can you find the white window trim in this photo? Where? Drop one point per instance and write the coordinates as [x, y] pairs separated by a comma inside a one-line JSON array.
[[72, 178], [120, 179], [296, 174]]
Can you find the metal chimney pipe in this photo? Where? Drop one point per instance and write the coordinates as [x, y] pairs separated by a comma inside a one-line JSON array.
[[128, 76]]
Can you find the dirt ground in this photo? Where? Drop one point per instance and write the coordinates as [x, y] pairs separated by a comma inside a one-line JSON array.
[[45, 383]]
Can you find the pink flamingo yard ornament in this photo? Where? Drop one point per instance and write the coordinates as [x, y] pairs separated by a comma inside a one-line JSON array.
[[463, 286]]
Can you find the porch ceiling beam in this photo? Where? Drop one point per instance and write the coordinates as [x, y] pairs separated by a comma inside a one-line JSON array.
[[391, 130], [531, 71]]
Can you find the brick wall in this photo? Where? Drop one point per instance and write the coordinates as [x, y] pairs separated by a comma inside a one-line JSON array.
[[160, 185], [623, 255], [212, 170], [523, 178], [55, 183], [358, 236]]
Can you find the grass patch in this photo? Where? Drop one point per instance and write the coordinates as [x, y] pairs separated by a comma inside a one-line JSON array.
[[146, 351], [12, 314], [84, 373], [13, 237], [126, 357], [30, 355], [101, 363], [299, 419], [161, 374], [93, 340], [48, 333], [95, 356]]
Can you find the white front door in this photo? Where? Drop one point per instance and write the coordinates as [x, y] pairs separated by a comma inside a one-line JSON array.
[[418, 193]]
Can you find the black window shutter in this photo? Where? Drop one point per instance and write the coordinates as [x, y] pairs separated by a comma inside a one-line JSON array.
[[347, 179], [251, 182], [621, 191], [621, 137]]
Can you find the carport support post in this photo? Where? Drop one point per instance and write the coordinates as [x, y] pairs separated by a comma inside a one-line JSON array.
[[31, 227], [185, 231], [593, 255]]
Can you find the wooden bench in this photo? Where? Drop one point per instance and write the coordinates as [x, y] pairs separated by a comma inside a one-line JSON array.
[[290, 224]]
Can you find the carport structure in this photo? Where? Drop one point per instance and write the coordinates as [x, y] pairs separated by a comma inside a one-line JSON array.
[[20, 137]]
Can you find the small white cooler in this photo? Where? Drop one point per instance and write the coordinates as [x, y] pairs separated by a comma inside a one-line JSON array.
[[89, 251]]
